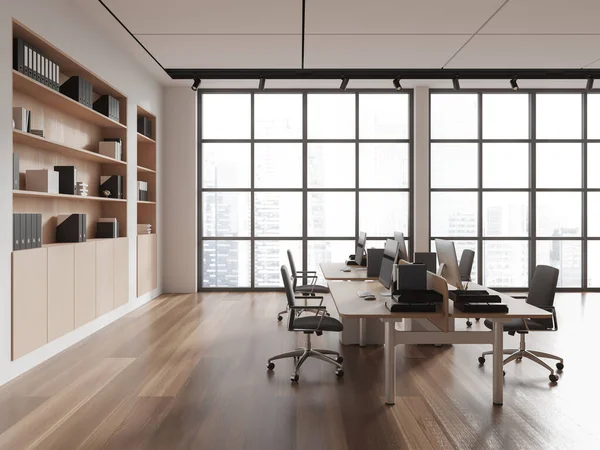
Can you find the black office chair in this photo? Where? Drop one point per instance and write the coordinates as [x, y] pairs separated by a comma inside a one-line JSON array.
[[305, 289], [308, 325], [541, 294], [465, 265]]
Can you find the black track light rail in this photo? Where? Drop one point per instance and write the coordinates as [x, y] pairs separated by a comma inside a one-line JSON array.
[[381, 74]]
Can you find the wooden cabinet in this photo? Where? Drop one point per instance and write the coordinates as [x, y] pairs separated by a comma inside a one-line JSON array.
[[30, 300], [105, 278], [121, 271], [85, 282], [146, 264], [61, 290]]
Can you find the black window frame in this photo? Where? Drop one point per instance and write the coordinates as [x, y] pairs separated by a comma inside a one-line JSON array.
[[305, 190]]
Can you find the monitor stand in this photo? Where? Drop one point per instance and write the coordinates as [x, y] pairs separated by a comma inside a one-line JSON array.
[[386, 293]]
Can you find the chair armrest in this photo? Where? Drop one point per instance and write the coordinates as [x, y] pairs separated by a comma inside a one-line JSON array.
[[552, 309]]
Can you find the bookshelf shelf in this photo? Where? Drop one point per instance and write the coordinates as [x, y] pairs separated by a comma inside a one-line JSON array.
[[145, 170], [56, 100], [75, 198], [21, 137], [140, 202], [144, 139]]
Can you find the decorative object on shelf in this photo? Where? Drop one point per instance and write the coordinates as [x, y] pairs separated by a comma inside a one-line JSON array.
[[27, 231], [143, 191], [108, 106], [78, 89], [31, 62], [111, 147], [145, 126], [16, 173], [39, 133], [113, 184], [144, 228], [81, 189], [107, 228], [22, 119], [106, 193], [67, 179], [43, 180], [71, 228]]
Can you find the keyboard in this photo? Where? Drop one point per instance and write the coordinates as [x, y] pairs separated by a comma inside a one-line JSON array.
[[365, 295]]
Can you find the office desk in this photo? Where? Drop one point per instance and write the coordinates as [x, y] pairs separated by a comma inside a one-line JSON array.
[[333, 272], [349, 305]]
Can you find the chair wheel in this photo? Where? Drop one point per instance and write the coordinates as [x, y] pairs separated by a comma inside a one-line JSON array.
[[294, 378], [339, 360], [477, 319], [560, 366], [469, 323], [339, 373], [270, 366], [279, 318], [553, 378], [481, 360], [503, 373]]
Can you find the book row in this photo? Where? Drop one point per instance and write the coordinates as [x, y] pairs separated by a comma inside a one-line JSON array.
[[31, 62]]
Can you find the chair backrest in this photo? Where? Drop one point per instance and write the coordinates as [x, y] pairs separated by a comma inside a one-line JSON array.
[[293, 269], [466, 264], [543, 286], [289, 293]]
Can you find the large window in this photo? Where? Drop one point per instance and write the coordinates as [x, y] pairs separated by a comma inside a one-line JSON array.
[[513, 177], [303, 171]]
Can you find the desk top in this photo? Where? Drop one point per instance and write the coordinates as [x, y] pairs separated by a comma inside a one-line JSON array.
[[349, 304], [333, 271], [517, 308]]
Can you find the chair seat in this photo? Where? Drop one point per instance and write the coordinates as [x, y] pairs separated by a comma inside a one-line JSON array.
[[308, 288], [517, 325], [312, 322]]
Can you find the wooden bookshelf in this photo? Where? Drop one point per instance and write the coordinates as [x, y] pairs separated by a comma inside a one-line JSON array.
[[75, 198], [144, 139], [56, 100], [145, 170], [21, 137]]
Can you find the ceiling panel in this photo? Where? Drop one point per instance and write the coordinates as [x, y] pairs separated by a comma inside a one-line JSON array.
[[529, 51], [398, 16], [367, 51], [233, 51], [546, 17], [209, 16]]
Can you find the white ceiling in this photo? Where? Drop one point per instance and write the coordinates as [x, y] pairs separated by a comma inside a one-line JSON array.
[[366, 33]]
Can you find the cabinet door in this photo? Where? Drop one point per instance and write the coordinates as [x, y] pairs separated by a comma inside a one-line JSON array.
[[153, 261], [85, 282], [29, 300], [143, 264], [61, 290], [105, 277], [121, 268]]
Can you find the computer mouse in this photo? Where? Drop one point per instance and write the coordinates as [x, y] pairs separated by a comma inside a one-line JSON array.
[[346, 270]]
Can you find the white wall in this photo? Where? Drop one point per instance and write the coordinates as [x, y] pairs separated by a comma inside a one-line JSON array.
[[65, 25], [180, 191]]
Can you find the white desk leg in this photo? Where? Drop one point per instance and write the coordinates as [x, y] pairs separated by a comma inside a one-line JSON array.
[[390, 363], [498, 384], [362, 332]]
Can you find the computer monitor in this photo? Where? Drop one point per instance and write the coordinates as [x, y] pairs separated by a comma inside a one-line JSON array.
[[448, 263], [390, 257], [360, 248], [399, 236]]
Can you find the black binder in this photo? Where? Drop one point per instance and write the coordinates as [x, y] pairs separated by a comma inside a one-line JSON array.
[[16, 231], [67, 179], [145, 126], [69, 228], [38, 227], [23, 234], [16, 171], [78, 89], [29, 231], [108, 106], [106, 230], [113, 184], [83, 227], [19, 55]]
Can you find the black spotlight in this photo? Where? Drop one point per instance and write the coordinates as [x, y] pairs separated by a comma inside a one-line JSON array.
[[590, 84], [344, 83], [261, 84], [397, 84], [455, 83], [196, 84], [513, 84]]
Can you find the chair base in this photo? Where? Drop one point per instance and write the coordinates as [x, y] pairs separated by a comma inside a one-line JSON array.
[[532, 355], [303, 353]]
